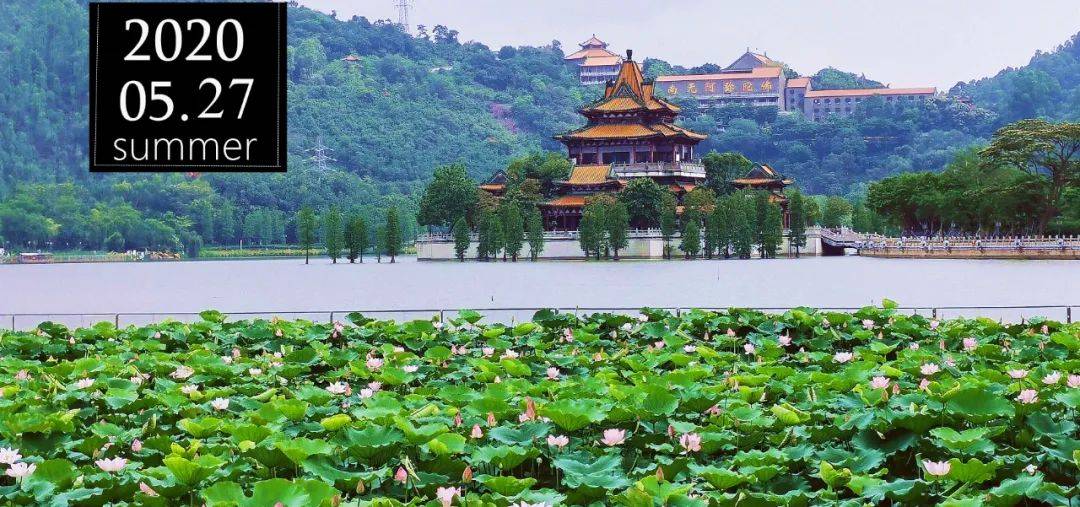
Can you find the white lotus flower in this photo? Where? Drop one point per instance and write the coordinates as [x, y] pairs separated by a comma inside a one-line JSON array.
[[220, 403], [9, 455], [111, 465], [337, 388], [182, 372], [20, 470], [84, 383]]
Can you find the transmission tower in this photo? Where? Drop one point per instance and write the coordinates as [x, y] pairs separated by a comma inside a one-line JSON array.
[[319, 154], [403, 14]]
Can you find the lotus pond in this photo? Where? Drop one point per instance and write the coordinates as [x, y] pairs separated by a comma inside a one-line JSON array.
[[702, 408]]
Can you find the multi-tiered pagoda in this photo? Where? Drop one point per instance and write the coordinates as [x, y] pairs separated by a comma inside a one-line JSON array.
[[630, 133]]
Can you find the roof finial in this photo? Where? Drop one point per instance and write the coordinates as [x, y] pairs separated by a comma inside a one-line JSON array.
[[630, 54]]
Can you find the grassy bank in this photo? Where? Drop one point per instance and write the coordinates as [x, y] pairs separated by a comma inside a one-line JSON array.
[[737, 407]]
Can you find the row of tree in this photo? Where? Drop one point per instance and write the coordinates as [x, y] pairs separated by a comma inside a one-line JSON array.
[[348, 235]]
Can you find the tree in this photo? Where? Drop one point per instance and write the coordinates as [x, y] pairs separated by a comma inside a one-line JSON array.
[[450, 195], [644, 199], [698, 202], [617, 224], [483, 233], [721, 168], [1041, 147], [723, 223], [836, 212], [743, 220], [774, 232], [496, 236], [305, 231], [691, 239], [513, 226], [668, 224], [461, 238], [356, 237], [393, 234], [591, 229], [761, 212], [333, 234], [796, 221], [711, 235], [115, 242], [534, 227]]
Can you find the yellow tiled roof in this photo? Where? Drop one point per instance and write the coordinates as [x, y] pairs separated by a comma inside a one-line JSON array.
[[589, 174]]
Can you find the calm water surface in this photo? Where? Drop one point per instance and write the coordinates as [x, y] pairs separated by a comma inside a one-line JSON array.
[[289, 285]]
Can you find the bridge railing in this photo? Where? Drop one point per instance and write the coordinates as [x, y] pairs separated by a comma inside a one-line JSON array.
[[851, 239], [26, 321]]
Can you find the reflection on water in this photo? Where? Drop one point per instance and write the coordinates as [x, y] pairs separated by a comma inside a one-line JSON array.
[[289, 285]]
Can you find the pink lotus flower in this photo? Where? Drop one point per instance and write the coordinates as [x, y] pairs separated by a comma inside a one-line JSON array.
[[111, 465], [690, 442], [410, 368], [277, 333], [1017, 374], [20, 470], [730, 332], [9, 455], [227, 359], [401, 475], [924, 384], [914, 346], [879, 382], [713, 410], [785, 340], [1074, 381], [488, 351], [689, 349], [84, 383], [374, 363], [613, 437], [366, 392], [970, 344], [476, 432], [749, 348], [220, 403], [1027, 396], [182, 372], [136, 445], [147, 490], [1045, 329], [934, 325], [446, 495], [491, 419], [22, 375], [896, 388], [457, 420], [929, 369], [337, 388], [553, 373], [658, 344], [937, 468], [843, 357], [1052, 378], [558, 442], [868, 324]]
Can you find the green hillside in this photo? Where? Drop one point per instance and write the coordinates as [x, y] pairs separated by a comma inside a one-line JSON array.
[[405, 105]]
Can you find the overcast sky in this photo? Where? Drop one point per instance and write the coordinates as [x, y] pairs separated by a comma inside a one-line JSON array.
[[902, 43]]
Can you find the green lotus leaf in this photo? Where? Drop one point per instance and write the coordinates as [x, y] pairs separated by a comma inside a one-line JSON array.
[[503, 456], [192, 472], [721, 478], [297, 493], [572, 415], [335, 422], [505, 485], [447, 444], [604, 472], [977, 405], [299, 449]]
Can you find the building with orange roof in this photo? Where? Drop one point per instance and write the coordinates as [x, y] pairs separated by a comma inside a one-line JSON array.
[[819, 104], [594, 62]]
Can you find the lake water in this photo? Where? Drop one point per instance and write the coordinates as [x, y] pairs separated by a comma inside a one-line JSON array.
[[287, 285]]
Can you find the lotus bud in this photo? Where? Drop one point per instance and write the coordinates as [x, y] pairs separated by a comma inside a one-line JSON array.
[[466, 475], [360, 487], [660, 474], [671, 431], [457, 420], [401, 475], [491, 419]]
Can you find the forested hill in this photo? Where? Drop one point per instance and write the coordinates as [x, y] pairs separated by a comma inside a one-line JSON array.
[[391, 107]]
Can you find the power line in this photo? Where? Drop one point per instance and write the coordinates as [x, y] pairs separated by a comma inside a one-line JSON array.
[[319, 154], [403, 14]]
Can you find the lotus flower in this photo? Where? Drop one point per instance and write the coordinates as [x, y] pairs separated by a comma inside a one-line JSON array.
[[84, 383], [255, 372], [730, 332], [220, 403], [929, 369], [111, 465], [879, 382], [457, 420], [1031, 469], [627, 327], [467, 474], [491, 419], [1045, 329], [476, 432], [784, 340], [182, 372], [226, 359], [868, 324], [924, 384], [690, 442], [136, 445], [9, 455], [914, 346], [22, 375], [510, 354], [934, 324], [1017, 374], [1027, 396], [446, 495], [147, 490], [643, 318], [235, 353], [553, 373], [1052, 378], [488, 351], [20, 470], [374, 363], [843, 357], [366, 393], [337, 388], [530, 411], [713, 410], [437, 324], [749, 348], [1074, 381], [189, 388], [401, 475], [558, 442], [613, 437], [410, 368], [659, 344], [937, 468]]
